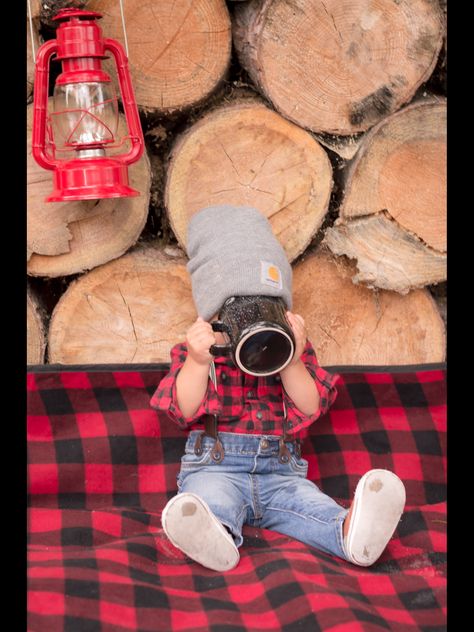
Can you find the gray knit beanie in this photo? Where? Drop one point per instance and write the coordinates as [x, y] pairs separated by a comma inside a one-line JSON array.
[[233, 252]]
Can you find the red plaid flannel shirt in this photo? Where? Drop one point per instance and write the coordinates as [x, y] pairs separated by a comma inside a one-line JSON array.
[[244, 403]]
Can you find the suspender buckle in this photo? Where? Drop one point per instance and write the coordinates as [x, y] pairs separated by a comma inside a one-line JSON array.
[[210, 430], [283, 452], [218, 451]]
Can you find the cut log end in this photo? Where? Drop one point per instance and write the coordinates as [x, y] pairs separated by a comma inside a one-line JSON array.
[[130, 310], [136, 308], [401, 167], [352, 325], [393, 215], [179, 51], [361, 60], [247, 155], [387, 256]]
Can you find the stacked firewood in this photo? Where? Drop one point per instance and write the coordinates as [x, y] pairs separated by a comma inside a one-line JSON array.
[[329, 117]]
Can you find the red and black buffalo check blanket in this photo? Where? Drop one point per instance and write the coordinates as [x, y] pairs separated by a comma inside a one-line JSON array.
[[102, 465]]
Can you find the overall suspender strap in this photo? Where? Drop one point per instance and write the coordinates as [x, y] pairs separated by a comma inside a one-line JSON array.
[[284, 454], [210, 427]]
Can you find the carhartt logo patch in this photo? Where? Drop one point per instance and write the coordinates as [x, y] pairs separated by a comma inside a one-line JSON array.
[[271, 275]]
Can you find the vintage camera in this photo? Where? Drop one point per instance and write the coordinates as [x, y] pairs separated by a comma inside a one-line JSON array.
[[260, 339]]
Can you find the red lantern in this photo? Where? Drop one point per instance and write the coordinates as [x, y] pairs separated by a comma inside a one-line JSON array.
[[84, 119]]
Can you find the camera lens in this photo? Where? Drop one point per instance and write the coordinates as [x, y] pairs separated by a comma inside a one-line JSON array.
[[265, 352]]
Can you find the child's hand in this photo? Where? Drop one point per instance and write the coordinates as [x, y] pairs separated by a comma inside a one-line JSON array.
[[299, 331], [199, 339]]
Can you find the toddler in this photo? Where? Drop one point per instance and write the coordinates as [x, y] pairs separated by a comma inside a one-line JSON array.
[[242, 462]]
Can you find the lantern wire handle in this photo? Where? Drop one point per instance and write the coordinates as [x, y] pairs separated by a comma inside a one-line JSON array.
[[31, 31], [123, 26]]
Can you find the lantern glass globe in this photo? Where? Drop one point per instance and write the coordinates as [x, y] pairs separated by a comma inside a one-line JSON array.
[[84, 114]]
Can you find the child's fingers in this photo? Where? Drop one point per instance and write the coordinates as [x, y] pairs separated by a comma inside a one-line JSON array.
[[296, 318], [202, 336], [298, 324], [200, 325], [300, 318]]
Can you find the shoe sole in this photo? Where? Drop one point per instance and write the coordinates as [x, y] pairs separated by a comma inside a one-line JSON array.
[[192, 527], [379, 501]]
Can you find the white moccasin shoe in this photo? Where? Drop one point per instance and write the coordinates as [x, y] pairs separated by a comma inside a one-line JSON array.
[[378, 504], [192, 527]]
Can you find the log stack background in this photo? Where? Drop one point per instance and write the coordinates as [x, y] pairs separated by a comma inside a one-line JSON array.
[[329, 117]]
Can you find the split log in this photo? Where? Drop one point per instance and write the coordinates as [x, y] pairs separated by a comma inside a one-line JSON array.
[[36, 8], [35, 329], [388, 257], [179, 51], [245, 154], [353, 325], [30, 64], [401, 168], [338, 66], [70, 237], [130, 310], [393, 217], [32, 40]]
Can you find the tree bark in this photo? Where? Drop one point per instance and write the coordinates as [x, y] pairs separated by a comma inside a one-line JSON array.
[[338, 66], [353, 325], [393, 217], [70, 237], [179, 51], [245, 154], [35, 329], [130, 310]]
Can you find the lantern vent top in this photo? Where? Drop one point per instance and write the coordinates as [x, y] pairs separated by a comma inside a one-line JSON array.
[[69, 13]]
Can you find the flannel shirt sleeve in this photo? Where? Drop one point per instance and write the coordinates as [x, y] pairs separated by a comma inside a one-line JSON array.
[[165, 399], [326, 385]]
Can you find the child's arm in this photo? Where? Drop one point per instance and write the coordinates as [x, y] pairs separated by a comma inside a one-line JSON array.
[[193, 378], [296, 379]]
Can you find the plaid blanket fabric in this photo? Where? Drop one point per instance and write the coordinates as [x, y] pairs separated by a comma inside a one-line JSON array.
[[102, 465]]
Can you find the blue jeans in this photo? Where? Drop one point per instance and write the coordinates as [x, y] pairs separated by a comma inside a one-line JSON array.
[[250, 486]]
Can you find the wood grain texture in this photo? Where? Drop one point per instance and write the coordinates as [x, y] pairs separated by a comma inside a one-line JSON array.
[[179, 51], [130, 310], [350, 324], [338, 66], [393, 215], [245, 154]]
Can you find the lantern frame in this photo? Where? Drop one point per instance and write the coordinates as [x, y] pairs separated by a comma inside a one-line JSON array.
[[80, 47]]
